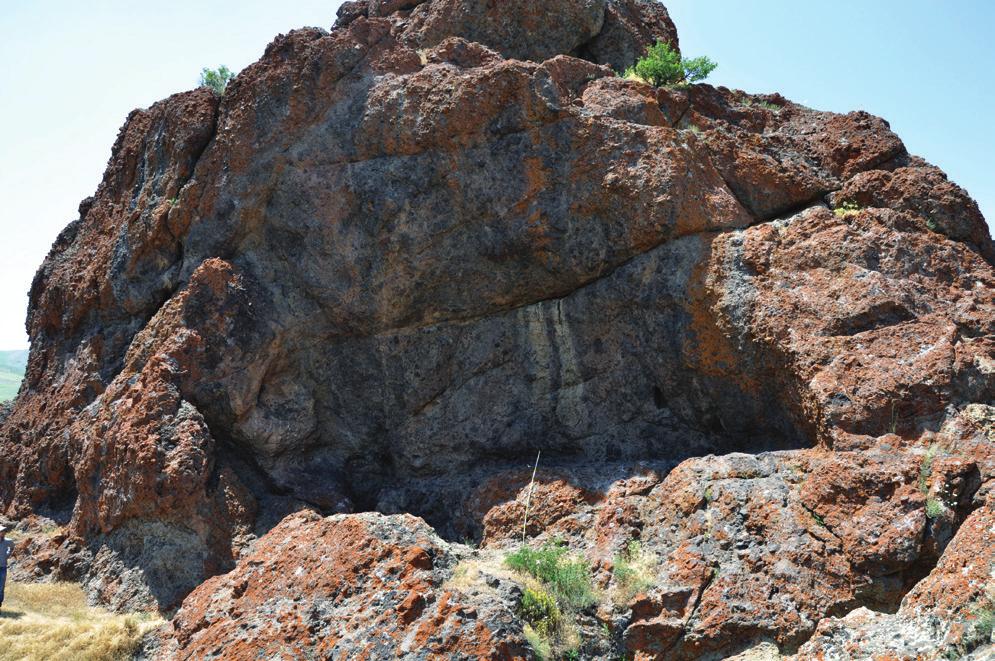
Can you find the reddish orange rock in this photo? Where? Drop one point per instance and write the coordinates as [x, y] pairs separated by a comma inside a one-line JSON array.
[[359, 586]]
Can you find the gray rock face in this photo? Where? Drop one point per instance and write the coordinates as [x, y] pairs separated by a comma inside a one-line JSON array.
[[519, 29]]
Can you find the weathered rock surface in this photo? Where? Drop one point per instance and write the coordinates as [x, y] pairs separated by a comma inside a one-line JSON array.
[[345, 587], [396, 259]]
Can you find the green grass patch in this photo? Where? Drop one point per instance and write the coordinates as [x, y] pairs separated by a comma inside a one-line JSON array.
[[566, 577]]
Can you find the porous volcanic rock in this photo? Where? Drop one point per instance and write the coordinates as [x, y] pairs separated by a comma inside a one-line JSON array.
[[395, 260], [344, 587]]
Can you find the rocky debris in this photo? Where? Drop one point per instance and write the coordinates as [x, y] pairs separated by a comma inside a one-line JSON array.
[[392, 262], [357, 586]]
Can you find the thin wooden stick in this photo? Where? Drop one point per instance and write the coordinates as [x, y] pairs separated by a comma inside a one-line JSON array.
[[528, 499]]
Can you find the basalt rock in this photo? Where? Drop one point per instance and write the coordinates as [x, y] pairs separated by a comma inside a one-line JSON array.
[[395, 260]]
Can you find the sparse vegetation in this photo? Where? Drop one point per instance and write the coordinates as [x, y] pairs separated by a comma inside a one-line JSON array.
[[539, 609], [978, 628], [557, 586], [984, 623], [847, 209], [52, 622], [750, 102], [568, 578], [926, 468], [539, 644], [216, 79], [634, 572], [934, 508], [663, 66]]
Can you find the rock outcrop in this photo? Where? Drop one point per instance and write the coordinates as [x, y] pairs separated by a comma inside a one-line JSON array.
[[396, 259]]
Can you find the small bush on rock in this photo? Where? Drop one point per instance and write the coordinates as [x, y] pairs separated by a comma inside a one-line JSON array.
[[539, 609], [216, 79], [568, 578], [934, 508], [663, 66]]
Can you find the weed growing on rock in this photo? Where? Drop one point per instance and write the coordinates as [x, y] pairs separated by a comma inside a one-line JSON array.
[[979, 627], [663, 66], [562, 583], [750, 102], [926, 469], [846, 210], [934, 508], [567, 578], [539, 609], [634, 572], [539, 644], [216, 79]]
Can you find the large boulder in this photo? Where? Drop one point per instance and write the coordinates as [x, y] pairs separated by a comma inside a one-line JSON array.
[[395, 260]]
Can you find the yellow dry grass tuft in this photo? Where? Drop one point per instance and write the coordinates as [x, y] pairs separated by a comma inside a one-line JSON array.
[[52, 622]]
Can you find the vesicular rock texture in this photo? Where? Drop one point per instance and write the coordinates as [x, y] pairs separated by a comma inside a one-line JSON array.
[[396, 259]]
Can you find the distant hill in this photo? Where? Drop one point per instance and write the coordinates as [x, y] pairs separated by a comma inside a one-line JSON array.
[[12, 366]]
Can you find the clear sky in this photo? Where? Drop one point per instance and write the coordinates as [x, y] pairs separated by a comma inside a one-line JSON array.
[[71, 71]]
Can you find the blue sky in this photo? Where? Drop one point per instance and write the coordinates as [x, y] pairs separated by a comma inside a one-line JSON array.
[[71, 71]]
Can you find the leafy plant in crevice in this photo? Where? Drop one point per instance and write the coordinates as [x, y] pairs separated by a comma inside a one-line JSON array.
[[216, 79], [540, 644], [847, 209], [934, 508], [663, 66]]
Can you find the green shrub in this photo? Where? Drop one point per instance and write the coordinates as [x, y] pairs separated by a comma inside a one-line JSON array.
[[663, 66], [216, 79], [566, 577], [539, 609]]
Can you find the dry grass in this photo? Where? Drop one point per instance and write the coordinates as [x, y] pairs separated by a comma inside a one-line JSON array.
[[52, 622], [635, 572]]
